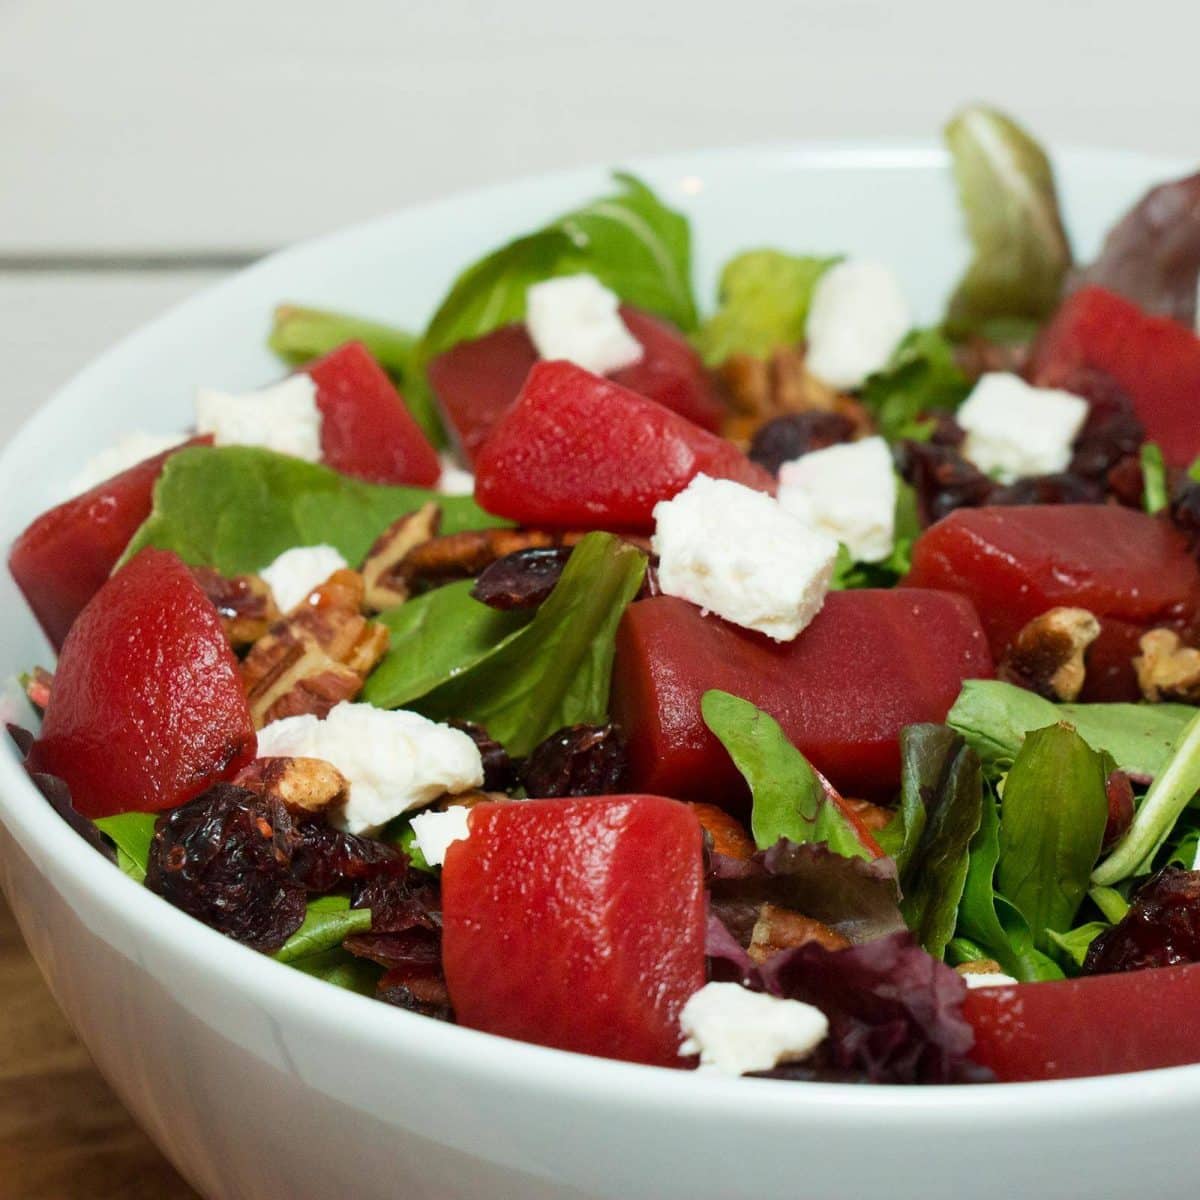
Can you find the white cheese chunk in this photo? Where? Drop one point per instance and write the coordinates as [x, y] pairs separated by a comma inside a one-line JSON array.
[[283, 417], [735, 1030], [848, 492], [736, 552], [434, 831], [297, 571], [1014, 429], [129, 450], [856, 320], [981, 979], [454, 481], [394, 761], [576, 317]]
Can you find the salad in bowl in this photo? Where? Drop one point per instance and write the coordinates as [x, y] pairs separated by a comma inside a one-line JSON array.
[[787, 690]]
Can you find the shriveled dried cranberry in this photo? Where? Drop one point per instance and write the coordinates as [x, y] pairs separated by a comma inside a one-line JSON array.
[[787, 437], [580, 760], [945, 430], [399, 904], [942, 479], [1161, 928], [1049, 489], [327, 859], [522, 579], [1120, 807], [1126, 482], [499, 771], [1112, 430], [418, 992], [1185, 510], [226, 859]]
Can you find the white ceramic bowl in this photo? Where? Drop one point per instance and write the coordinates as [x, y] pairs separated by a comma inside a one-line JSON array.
[[259, 1082]]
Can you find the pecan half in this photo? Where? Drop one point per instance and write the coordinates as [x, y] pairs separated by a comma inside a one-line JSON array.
[[979, 966], [317, 656], [1047, 656], [244, 603], [873, 816], [781, 929], [301, 784], [728, 834], [1166, 668], [389, 550]]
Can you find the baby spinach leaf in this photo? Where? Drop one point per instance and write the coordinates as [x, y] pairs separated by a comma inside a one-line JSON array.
[[763, 299], [631, 241], [941, 804], [1053, 811], [789, 800], [436, 637], [1021, 252], [922, 377], [131, 833], [342, 969], [328, 922], [1155, 495], [1169, 794], [236, 508], [557, 670], [1073, 945]]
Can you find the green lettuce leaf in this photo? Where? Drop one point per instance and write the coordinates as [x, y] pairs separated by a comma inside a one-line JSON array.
[[1155, 491], [789, 801], [922, 377], [236, 508], [1074, 944], [1021, 251], [763, 299], [1053, 811], [557, 670], [327, 923], [131, 833]]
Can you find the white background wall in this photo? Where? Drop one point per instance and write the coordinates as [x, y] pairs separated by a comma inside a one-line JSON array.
[[227, 127]]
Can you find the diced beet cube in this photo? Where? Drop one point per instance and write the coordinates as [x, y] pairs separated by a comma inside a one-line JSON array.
[[1155, 360], [147, 709], [61, 561], [869, 664], [366, 430], [1130, 570], [477, 382], [577, 924], [578, 451]]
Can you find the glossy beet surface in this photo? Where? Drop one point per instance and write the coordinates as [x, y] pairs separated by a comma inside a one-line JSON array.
[[61, 561], [366, 430], [1155, 360], [147, 709], [577, 923], [1131, 570], [582, 452], [476, 382], [1101, 1025], [870, 663]]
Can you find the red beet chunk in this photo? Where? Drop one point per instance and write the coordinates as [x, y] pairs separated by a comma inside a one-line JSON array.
[[578, 451], [1155, 360], [1129, 569], [477, 382], [61, 561], [147, 708], [1101, 1025], [870, 663], [366, 431], [577, 924]]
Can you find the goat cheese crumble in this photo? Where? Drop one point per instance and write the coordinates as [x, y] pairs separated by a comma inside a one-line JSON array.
[[434, 831], [454, 481], [283, 417], [393, 761], [981, 979], [736, 552], [127, 451], [847, 491], [856, 320], [735, 1030], [297, 571], [576, 317], [1014, 429]]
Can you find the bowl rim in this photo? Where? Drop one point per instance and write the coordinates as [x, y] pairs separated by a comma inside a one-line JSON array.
[[489, 1059]]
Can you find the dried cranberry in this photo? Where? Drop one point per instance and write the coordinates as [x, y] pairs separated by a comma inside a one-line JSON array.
[[226, 859], [1049, 489], [944, 429], [522, 579], [1126, 482], [1120, 807], [416, 991], [400, 904], [580, 760], [942, 479], [784, 438], [1185, 510], [1161, 928], [326, 859], [499, 771], [1112, 430]]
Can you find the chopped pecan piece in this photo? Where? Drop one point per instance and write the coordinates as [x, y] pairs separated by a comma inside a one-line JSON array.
[[244, 603], [1047, 656], [979, 966], [390, 548], [317, 656], [1167, 669], [301, 784], [873, 816], [729, 836], [781, 929]]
